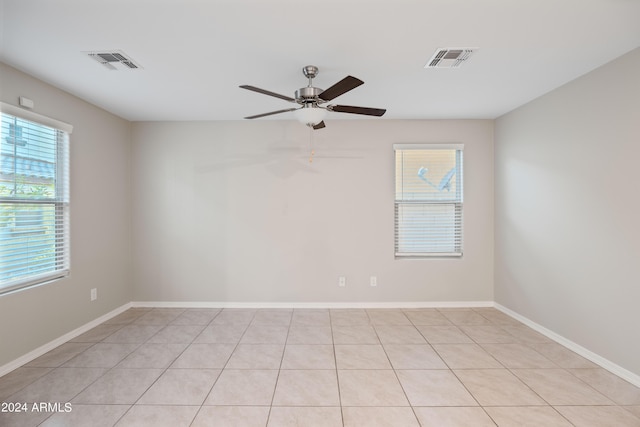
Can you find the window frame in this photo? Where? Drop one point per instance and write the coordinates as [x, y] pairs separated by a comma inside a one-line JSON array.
[[59, 202], [457, 202]]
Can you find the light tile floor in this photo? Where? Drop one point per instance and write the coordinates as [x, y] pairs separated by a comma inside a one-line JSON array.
[[314, 367]]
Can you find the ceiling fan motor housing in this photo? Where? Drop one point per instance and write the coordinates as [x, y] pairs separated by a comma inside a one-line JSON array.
[[307, 94]]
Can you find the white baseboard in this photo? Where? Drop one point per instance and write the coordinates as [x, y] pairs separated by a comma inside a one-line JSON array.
[[345, 305], [587, 354], [22, 360]]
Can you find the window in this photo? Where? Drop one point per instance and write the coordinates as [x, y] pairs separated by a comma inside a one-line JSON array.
[[428, 204], [34, 198]]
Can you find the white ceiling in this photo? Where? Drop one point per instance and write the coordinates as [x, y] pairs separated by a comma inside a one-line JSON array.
[[196, 53]]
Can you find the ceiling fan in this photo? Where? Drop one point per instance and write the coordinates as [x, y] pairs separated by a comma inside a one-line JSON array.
[[311, 99]]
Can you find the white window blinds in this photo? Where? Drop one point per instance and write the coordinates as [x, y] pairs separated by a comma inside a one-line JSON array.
[[34, 199], [428, 202]]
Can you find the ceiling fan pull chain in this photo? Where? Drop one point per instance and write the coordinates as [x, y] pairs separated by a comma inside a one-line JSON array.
[[312, 151]]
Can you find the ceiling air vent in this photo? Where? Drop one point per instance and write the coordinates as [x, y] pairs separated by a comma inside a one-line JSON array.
[[114, 60], [452, 57]]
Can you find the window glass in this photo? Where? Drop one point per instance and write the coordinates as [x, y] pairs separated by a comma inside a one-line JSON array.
[[428, 202], [34, 203]]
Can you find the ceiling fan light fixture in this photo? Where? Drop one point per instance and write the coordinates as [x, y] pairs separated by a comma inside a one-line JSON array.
[[309, 115]]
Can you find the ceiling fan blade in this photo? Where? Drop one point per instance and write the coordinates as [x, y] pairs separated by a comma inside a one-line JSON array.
[[266, 92], [319, 125], [270, 113], [357, 110], [343, 86]]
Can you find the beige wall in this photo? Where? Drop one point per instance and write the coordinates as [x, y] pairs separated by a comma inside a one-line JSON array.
[[234, 212], [100, 223], [567, 210]]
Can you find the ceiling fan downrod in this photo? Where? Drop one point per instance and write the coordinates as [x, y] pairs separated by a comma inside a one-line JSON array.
[[309, 94]]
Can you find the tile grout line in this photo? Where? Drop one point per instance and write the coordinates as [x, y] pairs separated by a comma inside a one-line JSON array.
[[461, 382], [335, 360], [132, 321], [154, 381], [395, 373], [228, 359], [216, 380]]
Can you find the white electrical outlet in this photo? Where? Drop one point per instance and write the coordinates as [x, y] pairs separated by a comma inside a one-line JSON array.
[[342, 281], [94, 294], [373, 281]]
